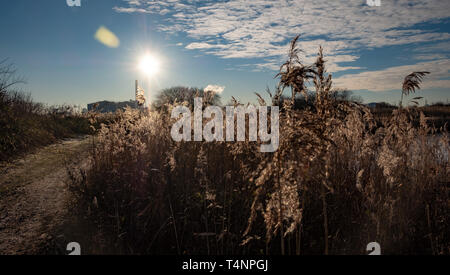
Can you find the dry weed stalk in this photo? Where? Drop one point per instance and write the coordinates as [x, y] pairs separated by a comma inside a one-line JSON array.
[[340, 179]]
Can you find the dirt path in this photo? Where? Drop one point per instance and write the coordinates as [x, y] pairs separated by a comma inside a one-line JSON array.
[[34, 194]]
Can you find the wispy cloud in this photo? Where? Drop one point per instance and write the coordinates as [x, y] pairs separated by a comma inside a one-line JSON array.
[[202, 45], [430, 56], [263, 28], [130, 10], [435, 47], [391, 78]]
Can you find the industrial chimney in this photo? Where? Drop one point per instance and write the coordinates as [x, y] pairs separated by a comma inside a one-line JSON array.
[[136, 93], [136, 90]]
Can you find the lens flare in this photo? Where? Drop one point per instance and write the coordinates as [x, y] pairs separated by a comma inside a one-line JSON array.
[[107, 37]]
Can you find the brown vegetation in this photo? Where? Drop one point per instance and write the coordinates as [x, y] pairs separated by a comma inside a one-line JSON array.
[[25, 124], [339, 180]]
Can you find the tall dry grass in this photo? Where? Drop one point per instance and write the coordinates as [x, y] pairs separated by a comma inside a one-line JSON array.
[[339, 180], [25, 124]]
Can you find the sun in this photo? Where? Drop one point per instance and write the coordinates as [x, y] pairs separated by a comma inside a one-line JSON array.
[[149, 65]]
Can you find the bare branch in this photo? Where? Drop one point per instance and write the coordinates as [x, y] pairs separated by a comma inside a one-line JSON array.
[[8, 76]]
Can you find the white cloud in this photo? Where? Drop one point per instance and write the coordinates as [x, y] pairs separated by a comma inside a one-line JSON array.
[[202, 45], [436, 47], [214, 88], [429, 56], [130, 10], [263, 28], [392, 78]]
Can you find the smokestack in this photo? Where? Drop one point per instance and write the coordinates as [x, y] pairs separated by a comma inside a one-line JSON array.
[[136, 90], [136, 93]]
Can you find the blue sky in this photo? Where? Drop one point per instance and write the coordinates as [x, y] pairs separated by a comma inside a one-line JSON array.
[[235, 44]]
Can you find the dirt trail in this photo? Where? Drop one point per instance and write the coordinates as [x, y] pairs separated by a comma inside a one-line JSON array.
[[34, 195]]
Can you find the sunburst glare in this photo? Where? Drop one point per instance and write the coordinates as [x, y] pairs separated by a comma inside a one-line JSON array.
[[149, 65]]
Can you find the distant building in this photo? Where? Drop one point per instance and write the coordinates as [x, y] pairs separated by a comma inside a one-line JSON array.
[[380, 105], [111, 107]]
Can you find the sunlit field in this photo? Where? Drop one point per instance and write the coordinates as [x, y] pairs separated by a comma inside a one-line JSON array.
[[344, 175]]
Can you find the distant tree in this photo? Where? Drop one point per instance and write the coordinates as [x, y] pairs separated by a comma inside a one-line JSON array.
[[184, 94], [303, 102], [384, 105], [10, 97], [8, 77], [345, 95], [438, 104]]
